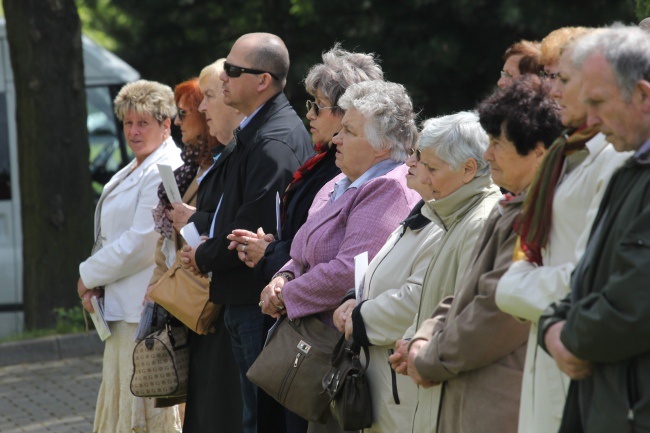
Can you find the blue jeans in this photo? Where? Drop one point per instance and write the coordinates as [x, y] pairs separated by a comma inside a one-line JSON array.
[[245, 323]]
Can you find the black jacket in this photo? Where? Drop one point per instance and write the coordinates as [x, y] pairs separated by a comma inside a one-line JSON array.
[[211, 189], [277, 254], [607, 312], [267, 152]]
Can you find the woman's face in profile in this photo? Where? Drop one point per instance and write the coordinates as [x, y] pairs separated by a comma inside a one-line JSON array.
[[190, 121]]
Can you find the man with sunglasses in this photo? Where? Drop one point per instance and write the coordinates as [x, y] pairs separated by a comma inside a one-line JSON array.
[[271, 143]]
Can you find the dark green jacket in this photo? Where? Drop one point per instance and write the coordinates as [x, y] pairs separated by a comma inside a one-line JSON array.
[[607, 312]]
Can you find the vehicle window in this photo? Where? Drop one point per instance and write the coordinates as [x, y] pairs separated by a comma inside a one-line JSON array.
[[108, 153]]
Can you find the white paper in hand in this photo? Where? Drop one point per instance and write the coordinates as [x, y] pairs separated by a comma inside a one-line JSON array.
[[360, 268], [98, 318], [191, 235], [169, 183]]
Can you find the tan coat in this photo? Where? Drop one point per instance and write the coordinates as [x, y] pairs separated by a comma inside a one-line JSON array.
[[461, 216], [475, 349]]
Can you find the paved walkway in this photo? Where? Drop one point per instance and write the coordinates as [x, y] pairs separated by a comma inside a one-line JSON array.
[[52, 396]]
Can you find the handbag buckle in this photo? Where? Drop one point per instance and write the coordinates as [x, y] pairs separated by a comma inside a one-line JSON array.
[[304, 347]]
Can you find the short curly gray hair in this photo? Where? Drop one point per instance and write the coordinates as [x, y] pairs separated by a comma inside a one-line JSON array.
[[390, 121], [145, 97], [456, 138], [339, 70]]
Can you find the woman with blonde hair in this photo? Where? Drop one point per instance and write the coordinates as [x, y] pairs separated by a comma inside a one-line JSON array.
[[214, 401], [120, 268]]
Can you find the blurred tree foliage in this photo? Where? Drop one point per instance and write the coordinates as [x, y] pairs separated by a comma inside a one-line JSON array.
[[446, 52], [642, 9]]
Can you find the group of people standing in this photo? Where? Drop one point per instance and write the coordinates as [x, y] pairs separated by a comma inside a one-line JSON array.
[[508, 245]]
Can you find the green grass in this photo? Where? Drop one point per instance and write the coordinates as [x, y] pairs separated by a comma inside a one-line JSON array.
[[67, 321]]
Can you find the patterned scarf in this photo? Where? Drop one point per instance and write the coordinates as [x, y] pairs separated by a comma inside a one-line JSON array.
[[534, 222], [184, 175], [309, 165]]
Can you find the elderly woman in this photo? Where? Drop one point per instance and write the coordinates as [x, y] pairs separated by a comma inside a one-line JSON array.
[[326, 82], [123, 256], [521, 58], [423, 256], [469, 346], [213, 394], [353, 213], [211, 361], [555, 224]]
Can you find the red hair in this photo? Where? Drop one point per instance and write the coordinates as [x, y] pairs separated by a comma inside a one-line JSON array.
[[190, 92]]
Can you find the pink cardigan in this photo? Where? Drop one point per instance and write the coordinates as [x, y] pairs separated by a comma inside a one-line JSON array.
[[324, 247]]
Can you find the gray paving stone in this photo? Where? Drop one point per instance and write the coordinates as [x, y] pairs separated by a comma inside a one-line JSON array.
[[52, 396]]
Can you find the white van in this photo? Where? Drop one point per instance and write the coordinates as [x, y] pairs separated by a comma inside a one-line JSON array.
[[105, 74]]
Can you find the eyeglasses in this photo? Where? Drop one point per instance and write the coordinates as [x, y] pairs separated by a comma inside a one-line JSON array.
[[415, 151], [311, 104], [233, 71], [548, 76], [180, 113], [506, 75]]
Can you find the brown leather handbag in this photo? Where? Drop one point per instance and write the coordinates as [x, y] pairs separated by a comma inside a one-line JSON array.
[[186, 297], [292, 364]]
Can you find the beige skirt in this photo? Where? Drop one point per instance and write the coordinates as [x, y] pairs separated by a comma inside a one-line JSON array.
[[117, 409]]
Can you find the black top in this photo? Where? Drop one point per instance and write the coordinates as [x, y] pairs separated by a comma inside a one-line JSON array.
[[267, 152], [297, 209]]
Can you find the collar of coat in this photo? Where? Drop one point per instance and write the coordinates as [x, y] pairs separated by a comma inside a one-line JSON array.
[[454, 207]]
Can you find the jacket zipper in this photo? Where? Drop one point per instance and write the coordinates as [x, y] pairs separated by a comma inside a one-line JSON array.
[[632, 394]]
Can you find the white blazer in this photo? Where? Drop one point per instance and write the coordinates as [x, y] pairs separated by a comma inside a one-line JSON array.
[[125, 261]]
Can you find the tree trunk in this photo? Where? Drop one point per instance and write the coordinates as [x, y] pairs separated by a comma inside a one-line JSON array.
[[56, 199]]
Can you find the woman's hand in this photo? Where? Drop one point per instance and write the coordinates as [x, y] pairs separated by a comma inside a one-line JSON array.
[[398, 360], [180, 214], [85, 299], [81, 288], [188, 258], [342, 314], [250, 246], [412, 371], [271, 301], [147, 298]]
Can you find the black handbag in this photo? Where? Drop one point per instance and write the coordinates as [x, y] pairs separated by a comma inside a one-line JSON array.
[[347, 385], [291, 366]]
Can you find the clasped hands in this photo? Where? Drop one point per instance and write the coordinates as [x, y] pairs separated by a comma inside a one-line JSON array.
[[572, 366], [271, 300], [250, 246]]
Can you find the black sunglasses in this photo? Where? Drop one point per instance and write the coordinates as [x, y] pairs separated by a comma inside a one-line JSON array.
[[233, 71], [311, 104], [180, 113]]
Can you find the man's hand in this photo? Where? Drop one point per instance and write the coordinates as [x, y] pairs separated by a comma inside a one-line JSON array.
[[412, 371], [574, 367]]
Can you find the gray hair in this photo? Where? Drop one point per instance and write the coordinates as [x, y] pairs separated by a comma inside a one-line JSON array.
[[626, 49], [390, 121], [456, 138], [339, 70], [145, 97]]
